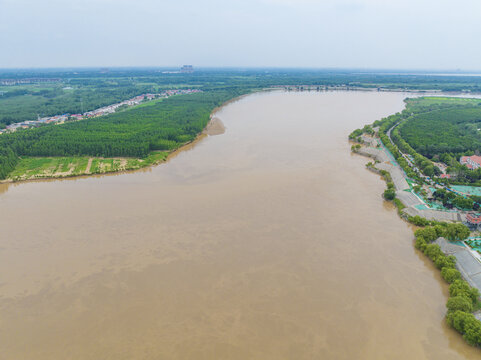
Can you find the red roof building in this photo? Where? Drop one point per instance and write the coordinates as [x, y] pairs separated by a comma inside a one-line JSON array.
[[472, 162], [473, 219]]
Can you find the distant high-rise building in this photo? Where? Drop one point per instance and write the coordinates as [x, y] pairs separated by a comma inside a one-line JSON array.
[[187, 69]]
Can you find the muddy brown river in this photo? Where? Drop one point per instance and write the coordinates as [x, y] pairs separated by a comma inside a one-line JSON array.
[[269, 241]]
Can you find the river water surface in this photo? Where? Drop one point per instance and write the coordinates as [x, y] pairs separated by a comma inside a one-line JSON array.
[[270, 241]]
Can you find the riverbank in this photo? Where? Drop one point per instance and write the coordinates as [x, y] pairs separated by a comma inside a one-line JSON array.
[[414, 205], [459, 266], [42, 168], [48, 168]]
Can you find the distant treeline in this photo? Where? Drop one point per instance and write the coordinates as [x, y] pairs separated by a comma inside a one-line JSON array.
[[28, 103], [165, 125], [86, 89]]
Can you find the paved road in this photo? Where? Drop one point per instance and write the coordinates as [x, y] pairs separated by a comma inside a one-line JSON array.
[[467, 265], [411, 201]]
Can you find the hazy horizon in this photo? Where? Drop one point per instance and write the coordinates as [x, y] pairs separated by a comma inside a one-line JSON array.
[[380, 71], [284, 34]]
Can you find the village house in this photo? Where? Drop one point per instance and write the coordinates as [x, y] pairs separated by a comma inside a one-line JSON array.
[[59, 119], [472, 162], [473, 221]]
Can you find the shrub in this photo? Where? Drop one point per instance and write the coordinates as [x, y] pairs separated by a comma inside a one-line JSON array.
[[450, 274], [444, 261], [418, 220], [389, 194], [462, 288], [440, 231], [467, 325], [355, 134], [432, 251], [457, 231], [429, 233], [460, 303], [400, 206], [472, 331], [420, 243]]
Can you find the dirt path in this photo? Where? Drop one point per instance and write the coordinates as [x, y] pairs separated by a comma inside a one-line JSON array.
[[89, 165]]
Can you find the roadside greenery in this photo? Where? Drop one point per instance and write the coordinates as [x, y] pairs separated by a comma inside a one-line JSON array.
[[463, 299], [367, 129]]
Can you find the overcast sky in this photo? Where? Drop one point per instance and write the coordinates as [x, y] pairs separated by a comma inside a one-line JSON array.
[[390, 34]]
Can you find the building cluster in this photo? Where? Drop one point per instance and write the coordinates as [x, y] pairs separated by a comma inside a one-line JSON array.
[[472, 162], [9, 82], [60, 119], [187, 69], [473, 220]]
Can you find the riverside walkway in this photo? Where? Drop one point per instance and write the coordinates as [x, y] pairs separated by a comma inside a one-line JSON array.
[[415, 206], [467, 264]]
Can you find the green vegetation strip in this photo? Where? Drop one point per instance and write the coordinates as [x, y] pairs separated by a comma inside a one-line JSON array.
[[30, 168], [464, 299]]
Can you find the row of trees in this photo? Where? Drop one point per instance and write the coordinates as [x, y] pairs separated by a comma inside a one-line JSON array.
[[463, 298], [8, 160], [384, 125]]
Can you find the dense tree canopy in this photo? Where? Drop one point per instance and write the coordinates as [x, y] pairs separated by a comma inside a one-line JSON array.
[[164, 125], [444, 131]]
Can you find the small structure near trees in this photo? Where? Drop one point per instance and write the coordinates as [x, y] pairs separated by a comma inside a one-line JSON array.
[[473, 221]]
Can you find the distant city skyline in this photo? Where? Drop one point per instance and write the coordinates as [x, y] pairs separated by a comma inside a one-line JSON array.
[[359, 34]]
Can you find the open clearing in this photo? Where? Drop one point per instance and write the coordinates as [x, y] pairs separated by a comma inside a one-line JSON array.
[[30, 168]]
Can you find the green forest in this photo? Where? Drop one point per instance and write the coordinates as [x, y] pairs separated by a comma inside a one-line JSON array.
[[165, 125], [28, 103], [434, 129], [452, 130]]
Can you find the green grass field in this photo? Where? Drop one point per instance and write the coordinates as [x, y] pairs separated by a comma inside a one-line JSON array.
[[427, 102], [30, 168]]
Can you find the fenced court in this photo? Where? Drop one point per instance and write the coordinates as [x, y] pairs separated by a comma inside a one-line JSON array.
[[468, 190]]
